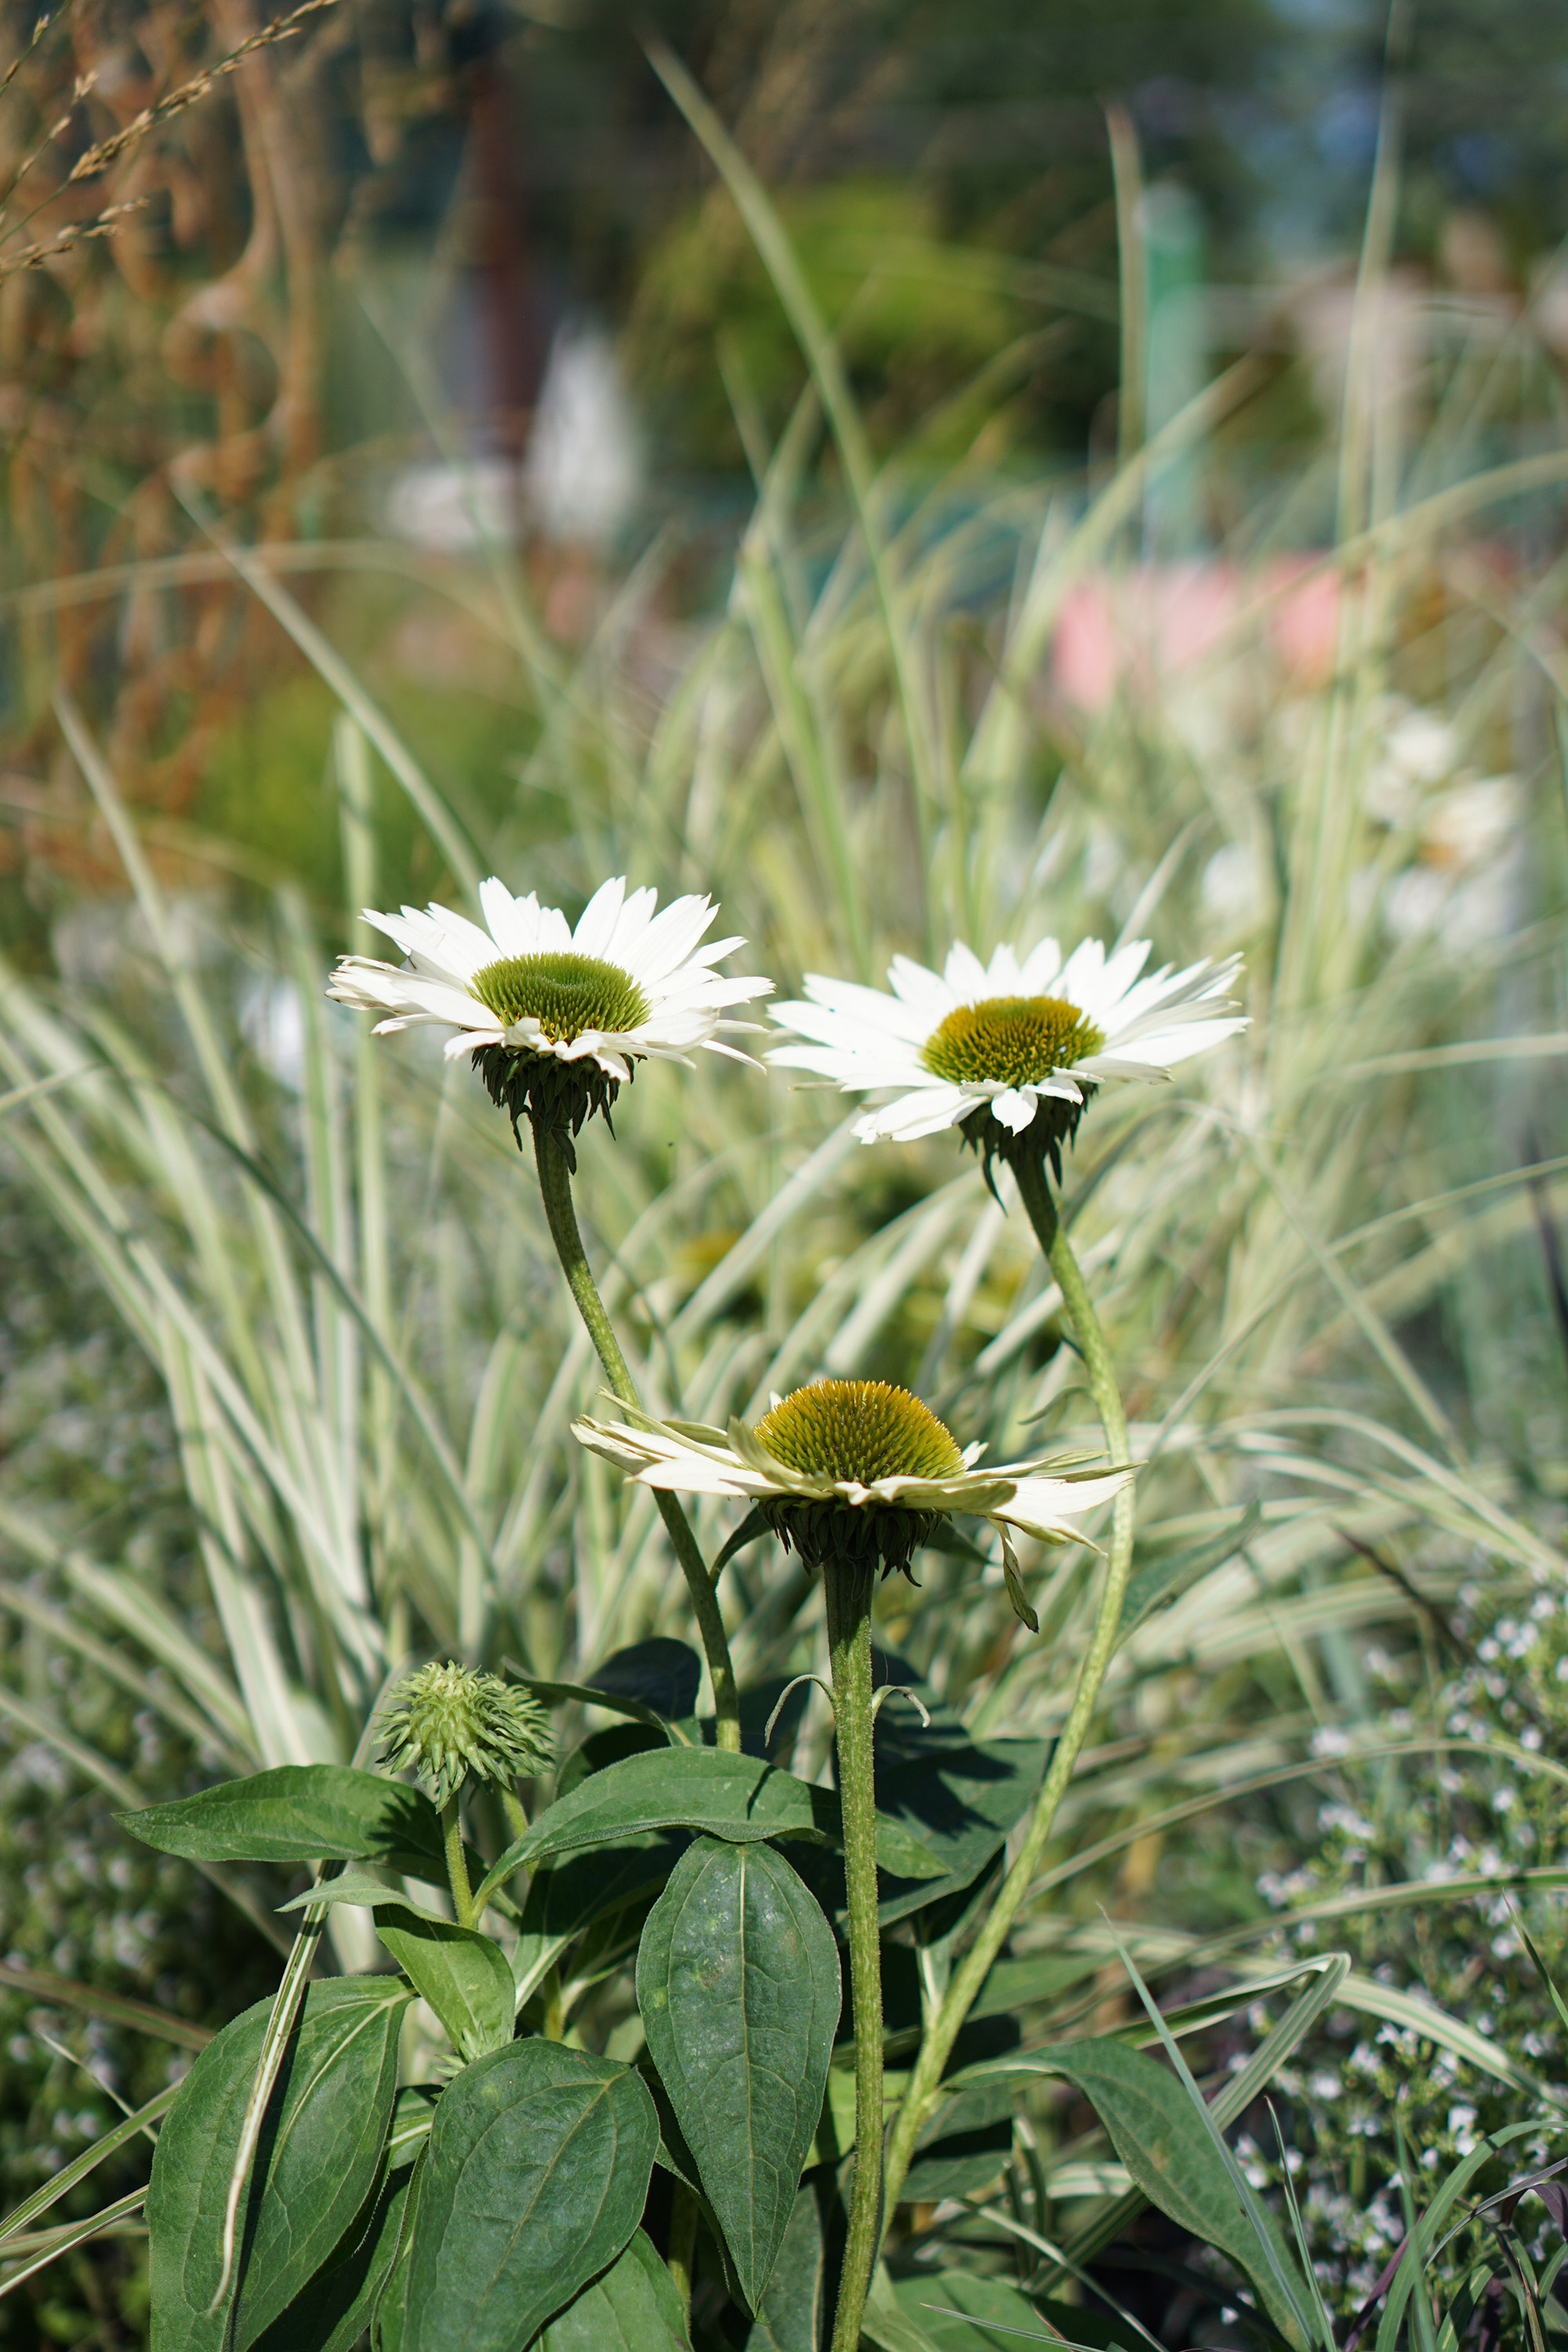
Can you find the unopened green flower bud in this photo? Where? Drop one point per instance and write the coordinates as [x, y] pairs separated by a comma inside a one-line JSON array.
[[448, 1723]]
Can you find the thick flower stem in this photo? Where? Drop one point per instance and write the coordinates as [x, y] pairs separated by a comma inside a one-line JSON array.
[[555, 1186], [967, 1979], [847, 1589], [456, 1864]]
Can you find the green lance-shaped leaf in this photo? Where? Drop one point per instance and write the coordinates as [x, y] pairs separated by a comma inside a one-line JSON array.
[[534, 2180], [460, 1973], [1163, 2141], [320, 2151], [739, 1987], [331, 2313], [739, 1798], [302, 1813], [633, 2307]]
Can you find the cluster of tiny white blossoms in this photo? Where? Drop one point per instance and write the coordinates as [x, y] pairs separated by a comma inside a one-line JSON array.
[[556, 1019]]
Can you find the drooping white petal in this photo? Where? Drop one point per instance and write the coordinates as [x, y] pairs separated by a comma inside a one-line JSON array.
[[1015, 1106]]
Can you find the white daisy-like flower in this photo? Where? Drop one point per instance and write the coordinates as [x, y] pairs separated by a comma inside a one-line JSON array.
[[857, 1471], [994, 1048], [528, 994]]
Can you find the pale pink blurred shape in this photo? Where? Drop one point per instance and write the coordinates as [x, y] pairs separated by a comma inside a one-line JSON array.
[[1147, 626]]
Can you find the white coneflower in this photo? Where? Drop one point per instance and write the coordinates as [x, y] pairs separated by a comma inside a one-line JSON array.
[[556, 1018], [1009, 1053], [856, 1471]]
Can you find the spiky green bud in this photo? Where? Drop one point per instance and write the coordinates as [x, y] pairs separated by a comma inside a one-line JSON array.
[[448, 1723]]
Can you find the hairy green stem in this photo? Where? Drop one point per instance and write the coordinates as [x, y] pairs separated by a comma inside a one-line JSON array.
[[555, 1186], [943, 2028], [847, 1591], [682, 2258], [456, 1863]]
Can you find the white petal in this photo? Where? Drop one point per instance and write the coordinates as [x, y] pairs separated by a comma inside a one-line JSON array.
[[914, 1115], [1040, 968], [965, 974], [597, 921], [1015, 1106], [1002, 976], [508, 925]]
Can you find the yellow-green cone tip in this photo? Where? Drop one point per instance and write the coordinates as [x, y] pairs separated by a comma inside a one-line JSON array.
[[568, 994], [1009, 1041], [861, 1431]]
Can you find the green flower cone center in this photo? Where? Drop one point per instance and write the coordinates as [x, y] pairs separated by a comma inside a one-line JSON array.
[[565, 994], [1009, 1041], [860, 1430]]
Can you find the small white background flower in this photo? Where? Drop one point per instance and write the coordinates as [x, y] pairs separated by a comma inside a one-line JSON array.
[[1006, 1033], [626, 983]]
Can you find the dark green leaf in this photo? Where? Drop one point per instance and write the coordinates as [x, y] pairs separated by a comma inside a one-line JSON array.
[[461, 1973], [389, 2320], [963, 2148], [331, 2313], [603, 1747], [737, 1797], [320, 2151], [792, 2316], [886, 2324], [576, 1893], [959, 1796], [534, 2180], [739, 1987], [357, 1887], [1163, 2141], [632, 2307], [664, 1673], [654, 1682], [300, 1812]]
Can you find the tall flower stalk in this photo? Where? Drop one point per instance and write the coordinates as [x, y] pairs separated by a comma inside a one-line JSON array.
[[942, 2028], [555, 1190], [1012, 1054], [855, 1476], [847, 1586], [557, 1021]]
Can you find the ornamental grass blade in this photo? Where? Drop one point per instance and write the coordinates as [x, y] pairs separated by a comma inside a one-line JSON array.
[[320, 2150], [739, 1985], [633, 2307], [534, 2180]]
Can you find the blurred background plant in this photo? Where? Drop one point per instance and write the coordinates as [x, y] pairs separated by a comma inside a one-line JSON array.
[[1040, 514]]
